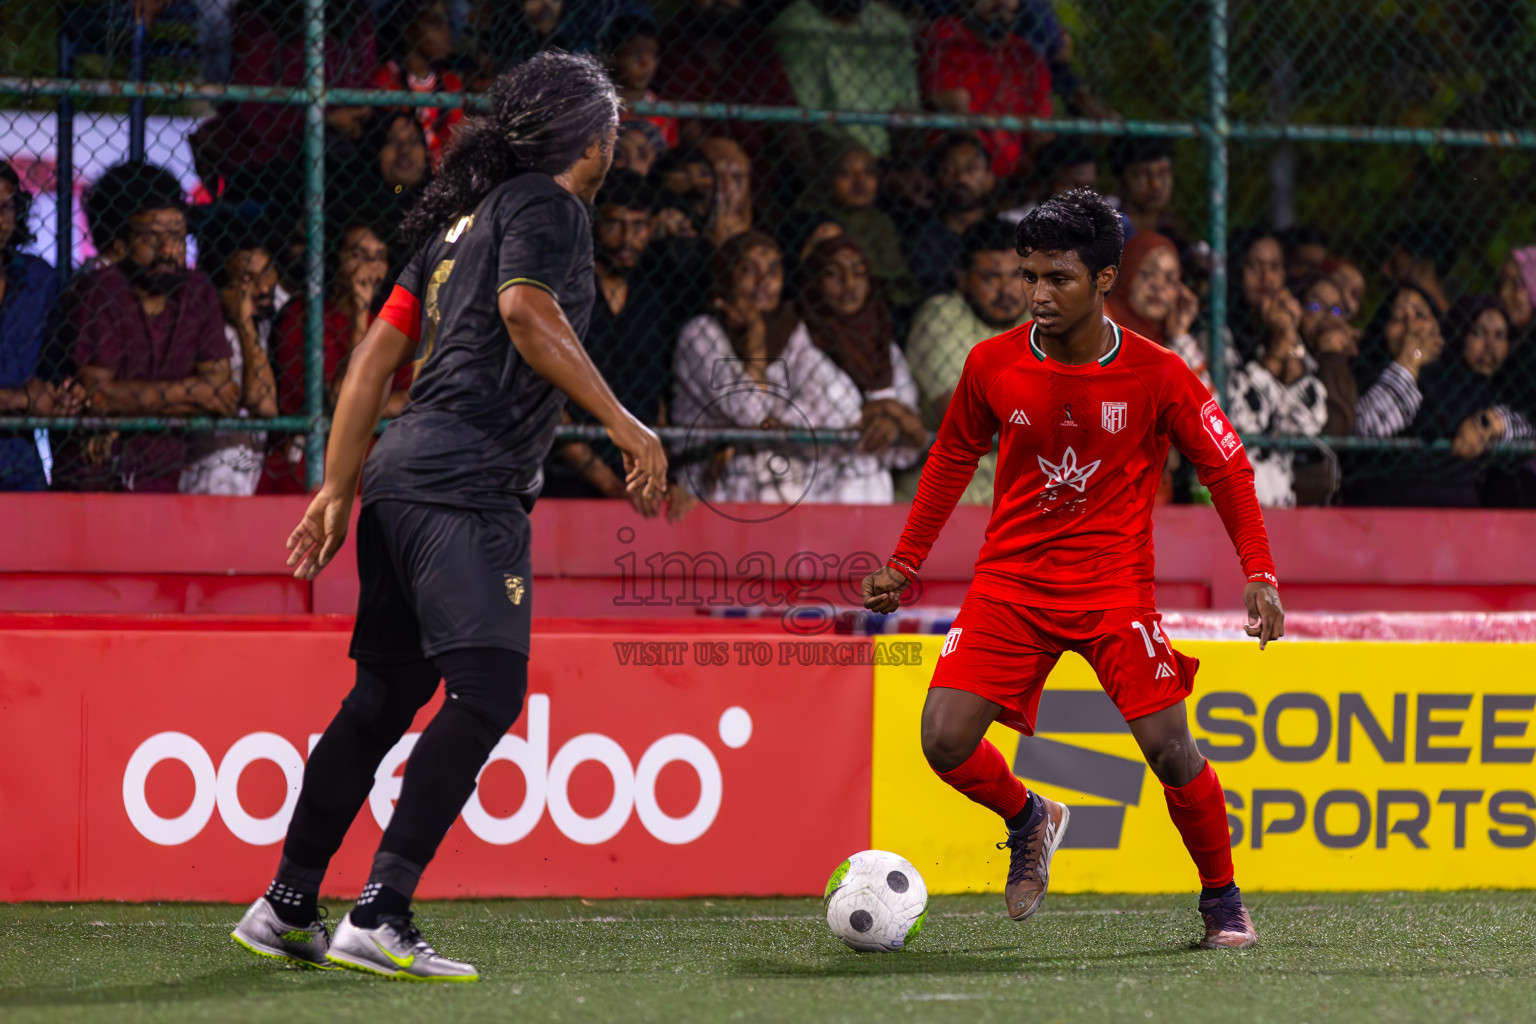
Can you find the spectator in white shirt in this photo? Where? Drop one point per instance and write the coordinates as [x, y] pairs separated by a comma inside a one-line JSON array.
[[751, 363]]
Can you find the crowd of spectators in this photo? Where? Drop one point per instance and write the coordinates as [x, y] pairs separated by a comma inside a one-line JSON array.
[[750, 273]]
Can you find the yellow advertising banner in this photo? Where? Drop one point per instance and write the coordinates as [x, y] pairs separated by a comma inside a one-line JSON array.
[[1347, 766]]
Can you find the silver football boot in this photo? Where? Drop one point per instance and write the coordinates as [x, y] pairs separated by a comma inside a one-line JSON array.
[[395, 949], [263, 933]]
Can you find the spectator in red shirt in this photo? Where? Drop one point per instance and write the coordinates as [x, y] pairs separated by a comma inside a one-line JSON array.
[[358, 264], [630, 46], [253, 150], [702, 61], [147, 338], [419, 38], [974, 63]]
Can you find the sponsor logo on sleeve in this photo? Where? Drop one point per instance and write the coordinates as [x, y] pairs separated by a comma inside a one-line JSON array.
[[1216, 425]]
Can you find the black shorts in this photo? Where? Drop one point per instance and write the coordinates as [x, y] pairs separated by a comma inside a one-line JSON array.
[[437, 579]]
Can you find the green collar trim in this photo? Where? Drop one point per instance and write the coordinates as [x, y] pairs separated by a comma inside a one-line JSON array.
[[1104, 360]]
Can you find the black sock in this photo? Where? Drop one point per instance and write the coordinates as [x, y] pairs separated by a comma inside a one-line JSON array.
[[1207, 893], [1028, 816], [379, 901], [297, 907]]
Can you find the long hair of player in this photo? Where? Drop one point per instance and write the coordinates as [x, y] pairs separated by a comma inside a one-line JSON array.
[[544, 114]]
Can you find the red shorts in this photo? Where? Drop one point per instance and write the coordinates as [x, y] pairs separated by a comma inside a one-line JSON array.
[[1004, 652]]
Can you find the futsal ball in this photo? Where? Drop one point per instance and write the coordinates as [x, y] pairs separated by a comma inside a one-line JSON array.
[[876, 902]]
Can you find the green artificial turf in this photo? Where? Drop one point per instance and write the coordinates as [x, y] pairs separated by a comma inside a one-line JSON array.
[[1322, 957]]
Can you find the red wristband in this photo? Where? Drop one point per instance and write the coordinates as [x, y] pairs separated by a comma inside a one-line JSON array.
[[902, 567], [1264, 577]]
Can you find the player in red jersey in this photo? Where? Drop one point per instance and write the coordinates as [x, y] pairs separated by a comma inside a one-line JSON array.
[[1085, 412]]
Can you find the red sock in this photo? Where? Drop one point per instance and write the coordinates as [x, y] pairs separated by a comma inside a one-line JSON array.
[[1199, 811], [986, 778]]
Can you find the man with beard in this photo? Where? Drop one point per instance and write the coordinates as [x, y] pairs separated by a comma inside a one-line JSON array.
[[148, 339], [625, 344], [963, 183], [240, 257], [990, 300]]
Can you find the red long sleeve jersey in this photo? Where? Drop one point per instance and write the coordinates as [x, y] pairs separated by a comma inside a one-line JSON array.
[[1081, 453]]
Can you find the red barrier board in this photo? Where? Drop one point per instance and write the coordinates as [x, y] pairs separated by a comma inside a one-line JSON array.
[[163, 764]]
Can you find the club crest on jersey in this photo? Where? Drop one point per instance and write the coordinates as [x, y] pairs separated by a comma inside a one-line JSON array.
[[1220, 431], [1068, 473], [1114, 416], [516, 588], [950, 640]]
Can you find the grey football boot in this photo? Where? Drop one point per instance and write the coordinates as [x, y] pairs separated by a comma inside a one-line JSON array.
[[263, 933], [1029, 862], [395, 949]]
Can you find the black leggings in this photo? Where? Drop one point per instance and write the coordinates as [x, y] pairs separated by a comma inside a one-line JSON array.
[[485, 690]]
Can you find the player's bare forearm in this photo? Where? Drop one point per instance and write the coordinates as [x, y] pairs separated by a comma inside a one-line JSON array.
[[545, 339], [323, 530], [383, 350]]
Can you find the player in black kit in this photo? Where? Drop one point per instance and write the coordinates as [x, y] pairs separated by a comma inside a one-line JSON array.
[[492, 305]]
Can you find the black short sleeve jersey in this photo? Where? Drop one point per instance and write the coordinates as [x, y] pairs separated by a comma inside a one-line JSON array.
[[480, 421]]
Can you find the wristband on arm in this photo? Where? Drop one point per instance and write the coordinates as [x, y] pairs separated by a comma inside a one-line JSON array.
[[902, 566]]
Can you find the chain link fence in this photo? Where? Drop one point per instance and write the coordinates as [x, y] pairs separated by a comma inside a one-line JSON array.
[[201, 204]]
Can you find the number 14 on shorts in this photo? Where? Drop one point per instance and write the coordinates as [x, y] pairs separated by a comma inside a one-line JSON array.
[[1150, 638]]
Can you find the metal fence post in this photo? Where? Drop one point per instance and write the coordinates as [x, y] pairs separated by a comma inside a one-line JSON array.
[[1215, 134], [314, 242], [64, 171]]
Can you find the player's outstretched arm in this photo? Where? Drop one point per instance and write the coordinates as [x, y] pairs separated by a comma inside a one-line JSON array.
[[544, 338], [965, 435], [364, 389], [1202, 432]]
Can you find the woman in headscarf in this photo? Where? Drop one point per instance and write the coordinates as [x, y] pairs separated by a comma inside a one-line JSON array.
[[799, 232], [750, 362], [847, 318], [1151, 299], [1517, 294]]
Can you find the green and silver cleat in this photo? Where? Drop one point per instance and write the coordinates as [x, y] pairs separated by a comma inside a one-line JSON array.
[[263, 933], [395, 949]]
